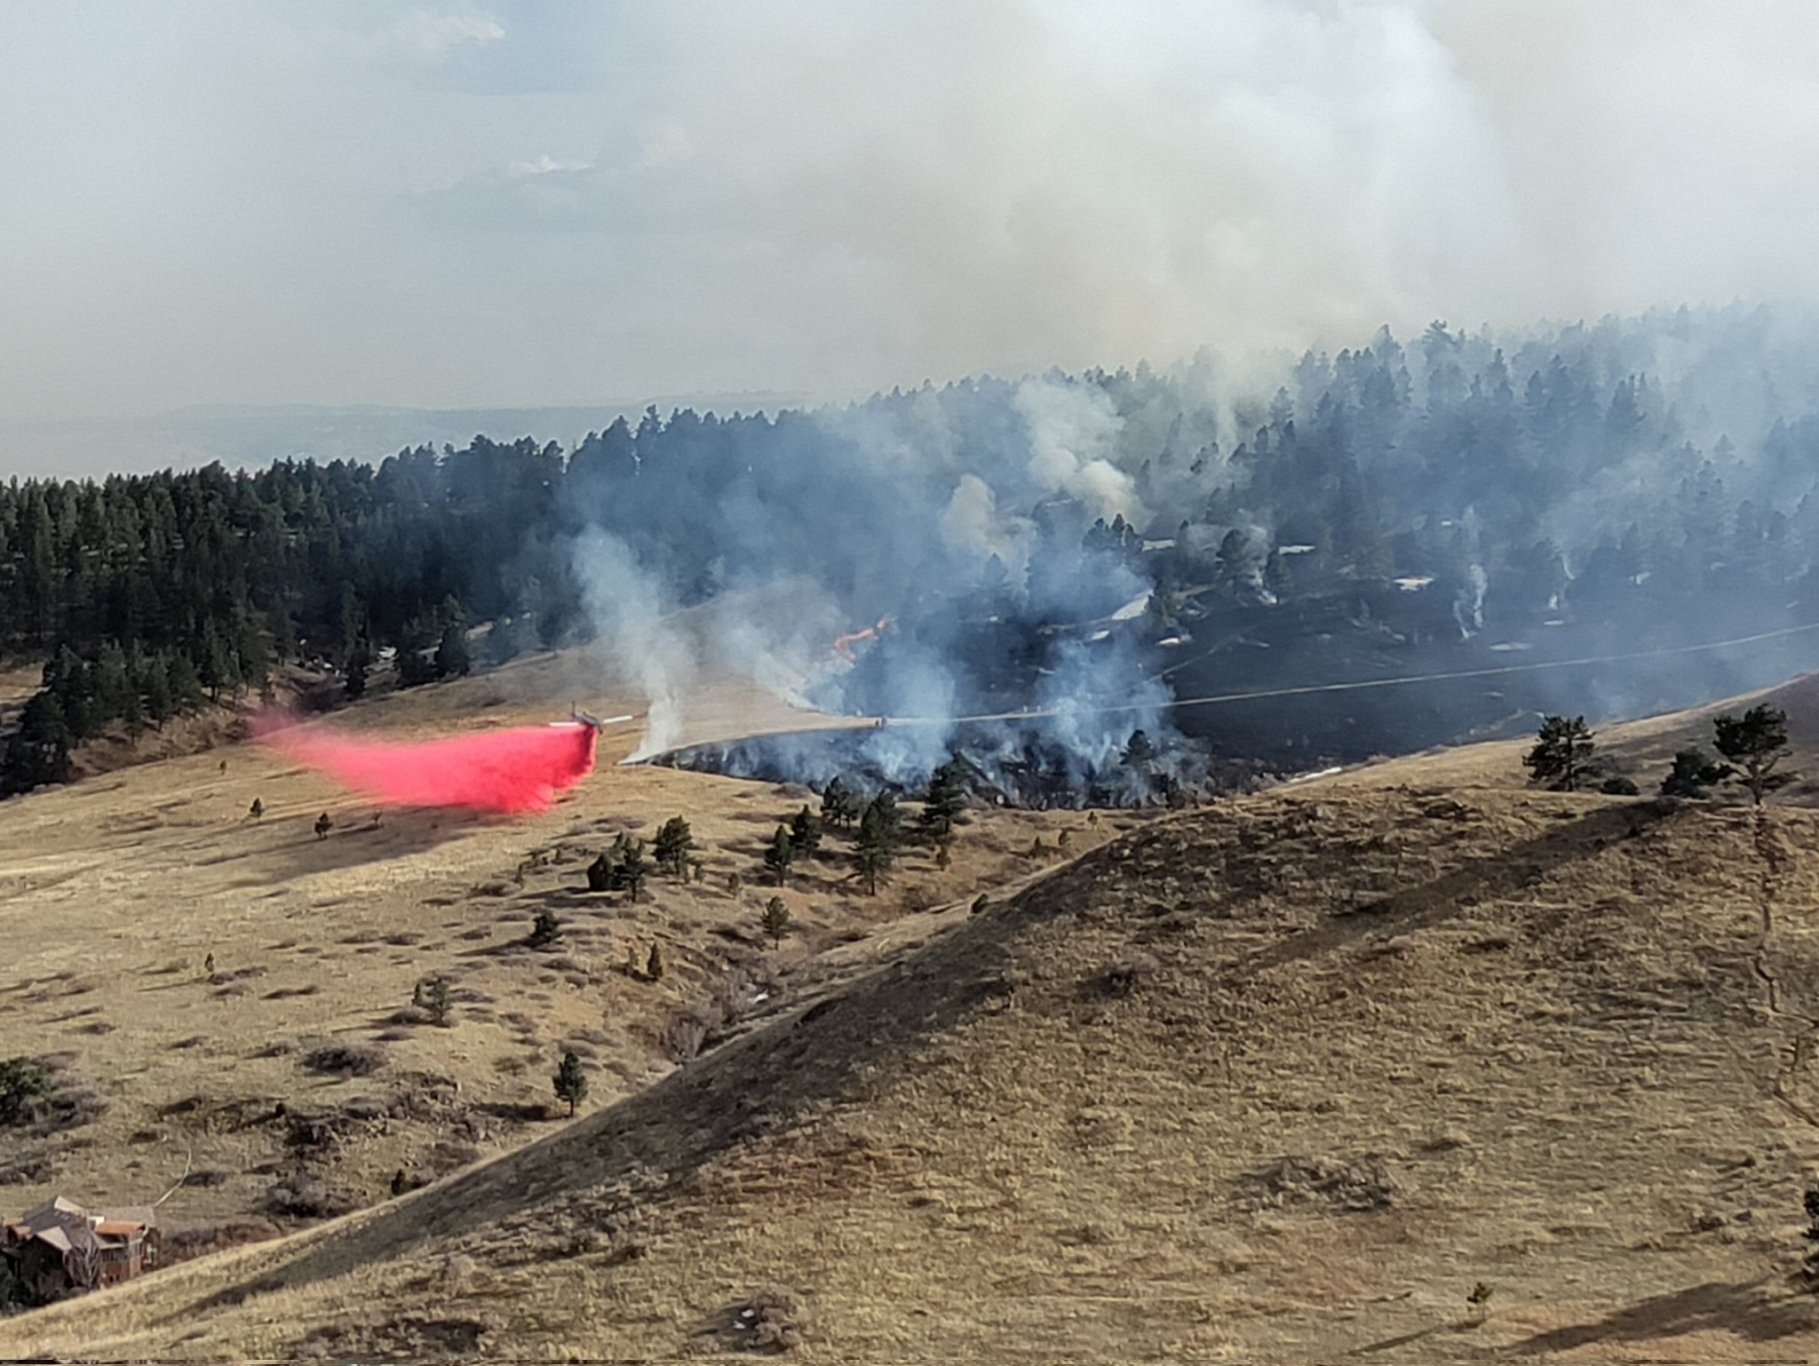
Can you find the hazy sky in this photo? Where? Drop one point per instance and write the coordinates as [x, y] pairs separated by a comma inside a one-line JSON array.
[[463, 205]]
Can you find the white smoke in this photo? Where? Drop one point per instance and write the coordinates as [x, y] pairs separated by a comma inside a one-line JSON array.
[[972, 522], [1073, 429], [628, 608]]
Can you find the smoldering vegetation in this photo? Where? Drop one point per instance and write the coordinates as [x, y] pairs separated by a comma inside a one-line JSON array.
[[1009, 763], [1231, 555], [1044, 566]]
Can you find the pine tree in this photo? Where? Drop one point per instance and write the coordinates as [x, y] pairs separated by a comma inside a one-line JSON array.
[[1755, 743], [805, 833], [876, 848], [1694, 774], [1562, 757], [570, 1082], [946, 799], [437, 1002], [672, 846], [359, 665], [778, 856], [546, 929], [653, 966], [452, 657], [633, 870], [600, 874], [839, 805], [776, 921]]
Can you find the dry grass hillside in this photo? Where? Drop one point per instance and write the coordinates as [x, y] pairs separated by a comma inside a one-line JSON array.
[[1643, 750], [229, 1001], [1283, 1080]]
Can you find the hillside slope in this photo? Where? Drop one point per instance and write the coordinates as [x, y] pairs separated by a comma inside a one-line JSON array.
[[229, 999], [1276, 1081]]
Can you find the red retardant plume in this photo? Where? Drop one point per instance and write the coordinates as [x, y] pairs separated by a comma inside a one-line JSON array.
[[504, 770]]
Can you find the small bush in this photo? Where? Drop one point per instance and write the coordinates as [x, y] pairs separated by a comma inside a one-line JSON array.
[[302, 1196], [1127, 976], [683, 1036], [772, 1321], [776, 920], [546, 929], [24, 1084], [344, 1060]]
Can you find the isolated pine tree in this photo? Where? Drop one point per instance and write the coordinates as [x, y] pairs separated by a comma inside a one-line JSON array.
[[633, 870], [1562, 757], [653, 965], [780, 854], [571, 1082], [876, 848], [1755, 743], [776, 920], [600, 874], [437, 1002], [946, 799]]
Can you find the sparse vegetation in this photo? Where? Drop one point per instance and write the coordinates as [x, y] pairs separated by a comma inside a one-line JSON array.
[[570, 1082], [344, 1060], [546, 929], [1693, 775], [776, 920], [1561, 760], [1755, 743], [622, 868], [779, 856], [945, 800], [769, 1322], [1810, 1262], [653, 965], [672, 846], [436, 1001], [876, 849], [805, 833], [24, 1082], [840, 805]]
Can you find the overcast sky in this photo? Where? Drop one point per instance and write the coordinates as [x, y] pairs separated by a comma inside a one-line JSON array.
[[455, 205]]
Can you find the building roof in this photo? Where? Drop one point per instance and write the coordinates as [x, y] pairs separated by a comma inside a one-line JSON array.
[[63, 1224]]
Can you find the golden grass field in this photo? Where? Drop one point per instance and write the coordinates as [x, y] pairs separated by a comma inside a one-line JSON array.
[[1280, 1080], [116, 891]]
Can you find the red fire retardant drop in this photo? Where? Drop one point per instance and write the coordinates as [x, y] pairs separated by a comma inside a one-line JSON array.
[[506, 770]]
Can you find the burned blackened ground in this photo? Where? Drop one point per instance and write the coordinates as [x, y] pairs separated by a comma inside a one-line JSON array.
[[1259, 691], [1006, 763]]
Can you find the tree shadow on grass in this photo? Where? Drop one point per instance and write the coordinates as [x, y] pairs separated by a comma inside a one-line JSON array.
[[1756, 1311]]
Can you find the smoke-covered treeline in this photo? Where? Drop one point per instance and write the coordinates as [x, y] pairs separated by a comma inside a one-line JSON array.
[[1046, 542]]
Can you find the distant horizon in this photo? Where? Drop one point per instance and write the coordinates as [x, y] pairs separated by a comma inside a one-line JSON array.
[[501, 204]]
